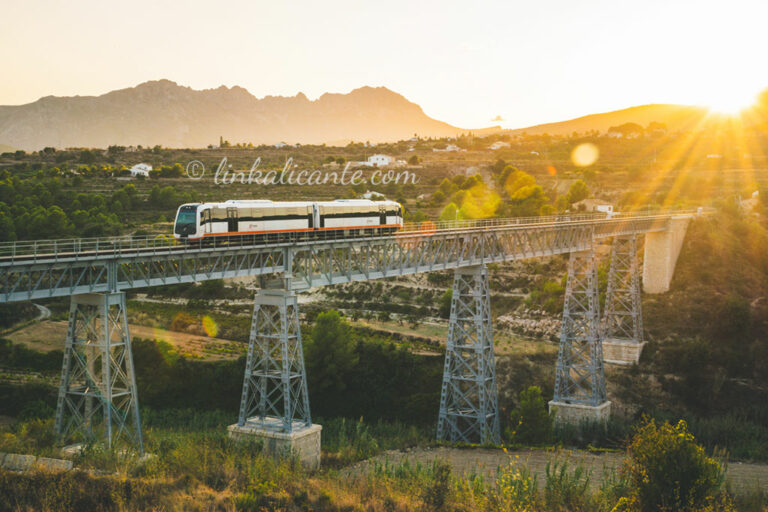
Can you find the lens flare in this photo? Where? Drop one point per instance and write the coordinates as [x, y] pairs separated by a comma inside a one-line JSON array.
[[210, 327], [428, 226], [585, 154], [160, 334], [480, 202]]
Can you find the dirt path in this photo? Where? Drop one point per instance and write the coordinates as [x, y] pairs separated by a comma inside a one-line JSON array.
[[743, 477]]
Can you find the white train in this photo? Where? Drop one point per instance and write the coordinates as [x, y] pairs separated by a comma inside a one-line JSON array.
[[274, 220]]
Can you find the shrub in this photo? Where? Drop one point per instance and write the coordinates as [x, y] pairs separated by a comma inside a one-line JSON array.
[[445, 304], [669, 470], [565, 490], [531, 423], [437, 494], [516, 490]]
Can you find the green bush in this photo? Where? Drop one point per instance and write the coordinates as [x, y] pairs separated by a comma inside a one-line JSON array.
[[669, 471], [567, 490], [531, 423]]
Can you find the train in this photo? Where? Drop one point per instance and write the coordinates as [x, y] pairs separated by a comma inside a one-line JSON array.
[[274, 220]]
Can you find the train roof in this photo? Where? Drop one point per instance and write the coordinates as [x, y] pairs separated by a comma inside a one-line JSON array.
[[266, 203]]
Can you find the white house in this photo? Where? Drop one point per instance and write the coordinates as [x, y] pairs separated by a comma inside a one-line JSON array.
[[379, 161], [280, 145], [593, 205], [498, 145], [140, 170]]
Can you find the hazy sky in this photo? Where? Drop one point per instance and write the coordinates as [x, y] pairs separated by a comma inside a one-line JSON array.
[[464, 63]]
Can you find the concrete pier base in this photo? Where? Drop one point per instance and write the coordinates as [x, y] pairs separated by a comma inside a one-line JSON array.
[[577, 413], [622, 352], [303, 442]]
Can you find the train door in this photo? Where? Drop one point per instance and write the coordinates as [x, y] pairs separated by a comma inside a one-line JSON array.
[[382, 214], [315, 216], [232, 220], [205, 220]]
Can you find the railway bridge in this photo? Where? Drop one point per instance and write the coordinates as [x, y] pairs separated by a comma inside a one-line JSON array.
[[97, 393]]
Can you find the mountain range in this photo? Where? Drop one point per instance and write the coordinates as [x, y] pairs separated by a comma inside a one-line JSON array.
[[675, 117], [165, 113]]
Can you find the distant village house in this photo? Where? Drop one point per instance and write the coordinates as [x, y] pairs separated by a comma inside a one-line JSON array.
[[379, 161], [140, 170], [592, 205]]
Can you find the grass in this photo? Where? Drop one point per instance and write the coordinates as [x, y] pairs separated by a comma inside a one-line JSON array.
[[195, 466]]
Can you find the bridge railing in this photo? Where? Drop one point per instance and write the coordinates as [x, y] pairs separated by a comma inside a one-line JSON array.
[[458, 224], [123, 245]]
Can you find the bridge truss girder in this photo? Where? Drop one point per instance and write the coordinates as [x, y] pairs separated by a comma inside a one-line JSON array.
[[311, 264]]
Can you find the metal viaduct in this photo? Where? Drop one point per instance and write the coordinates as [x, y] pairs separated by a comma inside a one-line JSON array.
[[97, 394]]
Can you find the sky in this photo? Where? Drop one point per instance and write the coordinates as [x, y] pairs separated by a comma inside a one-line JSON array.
[[464, 62]]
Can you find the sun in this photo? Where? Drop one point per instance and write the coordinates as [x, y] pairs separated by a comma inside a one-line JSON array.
[[730, 104]]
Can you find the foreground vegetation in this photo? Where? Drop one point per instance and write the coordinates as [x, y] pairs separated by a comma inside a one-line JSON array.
[[194, 466]]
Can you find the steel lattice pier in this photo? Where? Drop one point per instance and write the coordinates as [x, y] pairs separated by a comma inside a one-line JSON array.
[[580, 376], [623, 317], [469, 400], [275, 386], [97, 394]]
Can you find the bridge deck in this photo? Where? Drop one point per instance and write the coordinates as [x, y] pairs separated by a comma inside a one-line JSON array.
[[54, 268]]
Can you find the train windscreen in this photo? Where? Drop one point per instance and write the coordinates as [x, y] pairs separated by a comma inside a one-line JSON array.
[[186, 220]]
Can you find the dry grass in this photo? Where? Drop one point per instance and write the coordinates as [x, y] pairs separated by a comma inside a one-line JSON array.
[[48, 336]]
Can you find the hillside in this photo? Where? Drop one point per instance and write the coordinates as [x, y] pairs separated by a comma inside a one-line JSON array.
[[163, 112], [676, 117]]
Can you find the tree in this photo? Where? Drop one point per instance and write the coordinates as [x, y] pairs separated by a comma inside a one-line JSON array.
[[330, 353], [526, 197], [578, 191], [627, 130], [414, 160], [530, 421], [668, 470], [450, 212], [87, 157], [445, 304], [498, 166], [438, 197]]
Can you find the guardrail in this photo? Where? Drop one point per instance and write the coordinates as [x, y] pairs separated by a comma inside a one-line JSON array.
[[73, 247], [549, 219]]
